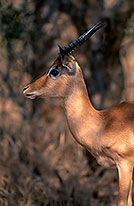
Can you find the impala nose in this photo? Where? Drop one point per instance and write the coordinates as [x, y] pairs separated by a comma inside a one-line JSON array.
[[28, 95]]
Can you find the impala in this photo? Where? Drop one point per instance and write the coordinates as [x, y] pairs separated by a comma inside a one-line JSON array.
[[108, 134]]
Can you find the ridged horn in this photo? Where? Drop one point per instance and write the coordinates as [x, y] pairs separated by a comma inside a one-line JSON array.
[[77, 43]]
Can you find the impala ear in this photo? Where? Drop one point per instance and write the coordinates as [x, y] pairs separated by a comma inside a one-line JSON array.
[[60, 50], [67, 61], [70, 69], [60, 54], [69, 64]]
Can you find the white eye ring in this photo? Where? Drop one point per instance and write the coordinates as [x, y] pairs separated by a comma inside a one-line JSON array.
[[68, 68]]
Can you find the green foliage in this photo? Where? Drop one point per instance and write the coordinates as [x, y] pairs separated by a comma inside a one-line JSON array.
[[11, 25]]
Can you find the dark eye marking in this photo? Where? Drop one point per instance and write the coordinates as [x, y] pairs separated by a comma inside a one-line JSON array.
[[54, 72]]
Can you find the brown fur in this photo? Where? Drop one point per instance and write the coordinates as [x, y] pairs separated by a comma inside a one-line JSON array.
[[108, 134]]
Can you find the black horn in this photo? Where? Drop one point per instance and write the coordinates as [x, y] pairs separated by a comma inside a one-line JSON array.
[[75, 44]]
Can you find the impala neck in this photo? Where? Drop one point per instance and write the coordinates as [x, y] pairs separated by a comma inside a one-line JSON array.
[[83, 119]]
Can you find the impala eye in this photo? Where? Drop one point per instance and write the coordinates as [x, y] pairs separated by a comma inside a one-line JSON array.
[[54, 72]]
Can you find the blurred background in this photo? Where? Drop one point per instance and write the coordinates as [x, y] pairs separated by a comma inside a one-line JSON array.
[[40, 163]]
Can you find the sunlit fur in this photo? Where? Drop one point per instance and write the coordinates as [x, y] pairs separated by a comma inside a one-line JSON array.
[[108, 135]]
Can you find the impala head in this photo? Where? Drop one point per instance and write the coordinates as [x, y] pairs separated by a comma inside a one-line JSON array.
[[59, 79]]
